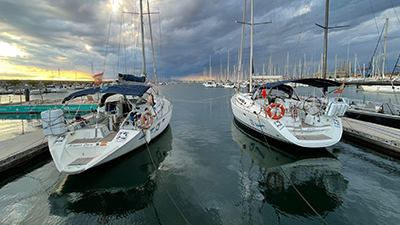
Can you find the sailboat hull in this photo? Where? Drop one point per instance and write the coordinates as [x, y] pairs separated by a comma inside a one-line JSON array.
[[76, 151], [252, 116]]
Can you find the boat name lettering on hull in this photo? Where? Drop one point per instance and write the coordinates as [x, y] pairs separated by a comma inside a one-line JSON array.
[[279, 125], [81, 145]]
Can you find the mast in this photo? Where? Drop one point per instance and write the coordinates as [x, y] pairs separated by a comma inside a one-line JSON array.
[[355, 65], [325, 39], [152, 46], [210, 67], [322, 62], [363, 71], [227, 75], [384, 49], [287, 65], [220, 71], [323, 72], [251, 44], [270, 65], [263, 71], [144, 73], [241, 44], [251, 39], [335, 65], [305, 65]]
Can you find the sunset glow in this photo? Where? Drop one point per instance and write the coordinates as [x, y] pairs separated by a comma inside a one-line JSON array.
[[9, 50], [9, 71]]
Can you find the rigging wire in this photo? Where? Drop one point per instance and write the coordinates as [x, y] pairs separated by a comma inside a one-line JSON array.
[[373, 13], [108, 38], [391, 80], [395, 11], [161, 55], [300, 35], [120, 35], [376, 47], [287, 177]]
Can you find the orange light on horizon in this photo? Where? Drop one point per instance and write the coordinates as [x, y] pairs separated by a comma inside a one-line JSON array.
[[16, 72], [191, 77]]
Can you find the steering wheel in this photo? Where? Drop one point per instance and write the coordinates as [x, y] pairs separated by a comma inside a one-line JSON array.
[[313, 99], [310, 107]]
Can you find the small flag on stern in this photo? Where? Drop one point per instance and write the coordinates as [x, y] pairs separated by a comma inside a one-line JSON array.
[[340, 89], [98, 78]]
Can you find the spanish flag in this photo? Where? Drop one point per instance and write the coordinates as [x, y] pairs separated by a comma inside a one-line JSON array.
[[98, 78], [340, 89]]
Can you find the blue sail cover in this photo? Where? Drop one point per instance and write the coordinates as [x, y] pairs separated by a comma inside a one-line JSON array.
[[314, 82], [131, 77], [134, 90]]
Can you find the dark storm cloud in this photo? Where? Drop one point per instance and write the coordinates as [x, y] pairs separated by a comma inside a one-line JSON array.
[[55, 33]]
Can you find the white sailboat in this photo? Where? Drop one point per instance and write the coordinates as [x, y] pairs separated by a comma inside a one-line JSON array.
[[210, 84], [383, 89], [128, 116], [276, 111]]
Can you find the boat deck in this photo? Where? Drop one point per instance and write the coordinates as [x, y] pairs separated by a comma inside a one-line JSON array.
[[312, 137], [81, 161], [85, 140], [107, 138]]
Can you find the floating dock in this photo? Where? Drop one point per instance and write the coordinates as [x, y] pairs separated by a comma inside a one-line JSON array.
[[21, 149], [378, 137]]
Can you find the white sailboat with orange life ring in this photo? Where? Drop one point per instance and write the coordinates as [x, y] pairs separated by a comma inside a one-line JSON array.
[[128, 117], [276, 111]]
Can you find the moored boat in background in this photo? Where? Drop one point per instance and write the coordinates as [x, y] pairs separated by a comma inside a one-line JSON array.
[[275, 110]]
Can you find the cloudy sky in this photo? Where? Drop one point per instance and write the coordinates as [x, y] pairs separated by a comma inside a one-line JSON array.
[[72, 39]]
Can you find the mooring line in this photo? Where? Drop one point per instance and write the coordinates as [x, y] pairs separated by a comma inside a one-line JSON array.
[[169, 195], [291, 183]]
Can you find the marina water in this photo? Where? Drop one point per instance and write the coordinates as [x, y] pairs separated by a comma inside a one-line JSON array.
[[210, 170]]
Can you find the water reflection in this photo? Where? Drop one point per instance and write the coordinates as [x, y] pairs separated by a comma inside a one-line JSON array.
[[124, 185], [314, 172]]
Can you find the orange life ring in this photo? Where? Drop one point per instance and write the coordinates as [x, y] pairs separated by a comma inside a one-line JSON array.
[[143, 120], [275, 116]]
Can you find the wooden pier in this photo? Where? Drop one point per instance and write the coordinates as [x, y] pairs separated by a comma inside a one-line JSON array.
[[378, 137], [20, 149]]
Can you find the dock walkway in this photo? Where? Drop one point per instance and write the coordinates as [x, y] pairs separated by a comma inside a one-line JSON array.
[[20, 149], [381, 138]]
